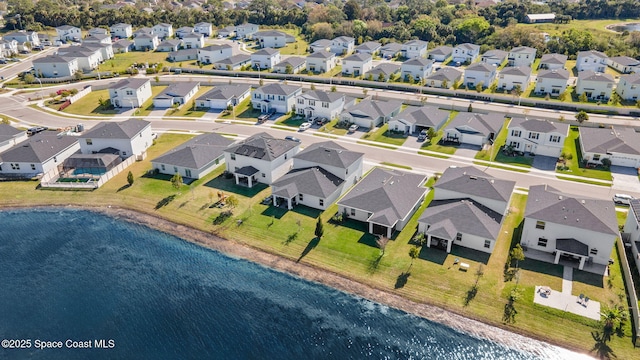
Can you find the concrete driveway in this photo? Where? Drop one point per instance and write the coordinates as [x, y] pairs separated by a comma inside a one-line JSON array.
[[544, 162], [625, 178], [467, 150]]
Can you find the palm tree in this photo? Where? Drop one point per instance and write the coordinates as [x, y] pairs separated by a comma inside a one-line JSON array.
[[382, 243]]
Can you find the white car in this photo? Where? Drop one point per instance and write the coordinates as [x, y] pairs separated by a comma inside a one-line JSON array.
[[622, 199], [304, 126], [353, 128]]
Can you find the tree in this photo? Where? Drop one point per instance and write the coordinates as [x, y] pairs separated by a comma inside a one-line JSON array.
[[432, 133], [352, 10], [479, 86], [381, 77], [583, 97], [319, 228], [445, 84], [470, 108], [517, 254], [414, 252], [313, 87], [29, 78], [288, 69], [493, 87], [334, 89], [130, 178], [78, 75], [156, 78], [232, 201], [176, 181], [381, 242], [582, 116]]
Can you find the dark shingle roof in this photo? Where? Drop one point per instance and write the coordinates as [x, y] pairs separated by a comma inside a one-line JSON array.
[[445, 73], [330, 154], [321, 55], [266, 51], [631, 78], [8, 132], [429, 116], [470, 181], [323, 95], [625, 61], [558, 59], [384, 68], [179, 89], [197, 152], [262, 146], [484, 67], [478, 123], [495, 54], [358, 57], [278, 89], [38, 148], [516, 70], [116, 130], [601, 141], [418, 62], [523, 50], [235, 59], [373, 109], [313, 181], [541, 126], [133, 83], [170, 42], [368, 46], [393, 47], [225, 92], [554, 74], [442, 50], [294, 61], [461, 216], [590, 75]]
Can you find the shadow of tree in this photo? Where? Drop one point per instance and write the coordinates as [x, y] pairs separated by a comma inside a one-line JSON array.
[[471, 294], [183, 204], [165, 201], [402, 279], [222, 217], [291, 238], [374, 263], [601, 348], [310, 246], [123, 187]]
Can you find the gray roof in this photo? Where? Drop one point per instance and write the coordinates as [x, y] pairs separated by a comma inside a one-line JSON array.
[[177, 89], [369, 45], [134, 83], [38, 148], [541, 126], [374, 109], [554, 74], [441, 50], [143, 30], [523, 50], [266, 51], [391, 47], [330, 154], [495, 54], [66, 27], [146, 35], [559, 59], [416, 42], [445, 73], [634, 207], [344, 39], [449, 217], [427, 116], [314, 181], [183, 29], [477, 123], [323, 95], [601, 141], [170, 42], [625, 61], [573, 246], [358, 57], [548, 204], [469, 46], [235, 59], [470, 181], [321, 42], [592, 53], [116, 130], [631, 78], [51, 59], [321, 55], [120, 25], [480, 66], [269, 33], [216, 47], [384, 68], [294, 61], [183, 52], [389, 195], [418, 61], [122, 43], [516, 70], [8, 132], [97, 37], [279, 89], [262, 146], [197, 152], [590, 75], [225, 92]]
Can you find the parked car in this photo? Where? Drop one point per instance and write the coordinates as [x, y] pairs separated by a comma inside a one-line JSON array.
[[262, 118], [304, 126], [292, 138], [321, 121], [353, 128], [622, 199], [35, 130], [423, 136]]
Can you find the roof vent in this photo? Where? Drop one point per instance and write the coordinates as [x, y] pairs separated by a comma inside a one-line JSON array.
[[582, 201], [473, 177], [565, 217], [492, 181], [559, 197]]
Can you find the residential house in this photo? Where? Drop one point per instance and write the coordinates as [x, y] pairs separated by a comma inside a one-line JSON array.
[[39, 154], [620, 145], [195, 158], [183, 31], [163, 30], [9, 136], [539, 137], [371, 113], [494, 57], [146, 42], [213, 53], [291, 65], [98, 31], [121, 31], [629, 87], [169, 45], [105, 50], [176, 93], [223, 96], [511, 77], [444, 77], [321, 61], [591, 60], [8, 48], [260, 158], [383, 72], [320, 45], [369, 47], [390, 50], [193, 41], [540, 18], [246, 31], [320, 174], [357, 64], [624, 64], [415, 119], [465, 53], [553, 82], [122, 46], [184, 55], [131, 92], [595, 86], [320, 104], [275, 97], [631, 232], [103, 39], [440, 53], [473, 129], [522, 56], [482, 74], [552, 61], [273, 39], [88, 59], [143, 30], [235, 62], [23, 37], [228, 31], [342, 45], [574, 227], [414, 49], [418, 68], [55, 66], [125, 138], [203, 28], [384, 199], [68, 32], [265, 58]]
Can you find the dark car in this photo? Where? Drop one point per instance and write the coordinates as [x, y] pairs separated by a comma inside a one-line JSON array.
[[292, 138], [35, 130]]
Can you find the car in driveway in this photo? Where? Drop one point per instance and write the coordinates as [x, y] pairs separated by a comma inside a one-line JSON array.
[[304, 126], [622, 199], [35, 130], [292, 138], [353, 128], [423, 136]]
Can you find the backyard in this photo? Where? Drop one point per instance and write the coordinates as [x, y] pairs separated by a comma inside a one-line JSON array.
[[122, 62], [89, 105]]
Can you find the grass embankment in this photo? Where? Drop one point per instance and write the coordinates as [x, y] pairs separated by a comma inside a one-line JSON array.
[[383, 135], [349, 250]]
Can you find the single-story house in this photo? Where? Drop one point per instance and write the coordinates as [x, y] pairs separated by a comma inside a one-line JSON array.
[[183, 55], [494, 57], [169, 45], [620, 145], [552, 61], [235, 62], [290, 65], [415, 119], [38, 154], [624, 64], [370, 113], [440, 53], [444, 77], [383, 72], [176, 93], [473, 129], [9, 136], [369, 47], [221, 97], [390, 50]]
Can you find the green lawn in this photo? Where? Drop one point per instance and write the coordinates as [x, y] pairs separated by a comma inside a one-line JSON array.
[[334, 128], [490, 153], [89, 105], [572, 147], [519, 160], [433, 144], [383, 135], [299, 47], [189, 109], [122, 62], [244, 110], [336, 71], [291, 120]]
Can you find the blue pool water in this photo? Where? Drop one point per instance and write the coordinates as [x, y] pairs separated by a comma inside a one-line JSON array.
[[92, 171], [81, 276]]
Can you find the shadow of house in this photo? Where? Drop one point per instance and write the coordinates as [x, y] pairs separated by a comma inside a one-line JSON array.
[[433, 255], [228, 184], [541, 267]]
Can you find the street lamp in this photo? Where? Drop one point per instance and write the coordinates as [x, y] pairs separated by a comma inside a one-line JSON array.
[[41, 89]]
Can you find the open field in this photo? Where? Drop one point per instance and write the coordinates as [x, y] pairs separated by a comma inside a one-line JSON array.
[[122, 62]]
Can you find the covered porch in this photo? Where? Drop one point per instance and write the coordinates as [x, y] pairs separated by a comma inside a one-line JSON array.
[[549, 257], [285, 197], [381, 229], [246, 176], [572, 250]]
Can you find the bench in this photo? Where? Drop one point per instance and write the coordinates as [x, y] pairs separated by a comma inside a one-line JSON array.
[[464, 266]]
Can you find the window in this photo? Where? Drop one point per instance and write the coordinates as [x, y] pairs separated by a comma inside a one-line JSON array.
[[129, 92], [593, 251], [458, 237], [300, 197], [89, 141], [487, 244], [162, 167], [321, 202], [33, 166], [264, 175], [285, 156], [516, 133], [542, 242], [301, 101], [175, 169], [325, 105], [534, 136], [233, 156], [187, 173], [554, 138], [515, 144], [55, 159], [353, 212], [124, 153], [596, 157], [15, 166], [540, 225]]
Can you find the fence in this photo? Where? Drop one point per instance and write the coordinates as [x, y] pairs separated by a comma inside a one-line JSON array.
[[631, 292], [50, 179], [82, 93]]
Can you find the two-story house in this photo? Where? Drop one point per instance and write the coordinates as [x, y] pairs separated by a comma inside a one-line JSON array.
[[125, 138], [510, 77], [55, 66], [265, 58], [183, 31], [246, 31], [193, 41], [275, 97], [146, 42], [213, 53], [342, 45], [553, 82], [322, 104], [538, 137], [271, 39], [479, 74], [369, 47], [23, 37], [418, 68], [465, 53], [68, 33], [97, 39], [132, 92], [595, 86], [522, 56], [593, 60], [203, 28], [629, 87], [414, 48], [121, 31], [631, 232], [321, 61], [163, 30], [357, 64], [552, 61], [440, 53]]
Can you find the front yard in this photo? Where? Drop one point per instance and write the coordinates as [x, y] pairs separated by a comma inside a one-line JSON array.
[[572, 161], [384, 135]]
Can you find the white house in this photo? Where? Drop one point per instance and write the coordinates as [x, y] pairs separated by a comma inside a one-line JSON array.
[[321, 173], [321, 61], [473, 129], [272, 39], [183, 55], [414, 48], [320, 104], [580, 229], [223, 96], [121, 30], [620, 145], [195, 158], [126, 138], [169, 45], [624, 64], [55, 66], [479, 74], [320, 45], [419, 68], [444, 77], [369, 47], [440, 53], [88, 59], [591, 60], [176, 93], [68, 32], [553, 82], [193, 41], [260, 158], [538, 137], [415, 119], [290, 65], [552, 61], [522, 56], [131, 92], [384, 199], [595, 85], [97, 39], [183, 31], [8, 48], [631, 232], [390, 50], [629, 87], [146, 42], [142, 30], [203, 28], [98, 31], [23, 37], [511, 77], [235, 62], [227, 31], [494, 57], [275, 97], [342, 45], [39, 154], [383, 72], [465, 53], [246, 31], [163, 30], [122, 46], [213, 53], [357, 64], [9, 136], [265, 58], [371, 113]]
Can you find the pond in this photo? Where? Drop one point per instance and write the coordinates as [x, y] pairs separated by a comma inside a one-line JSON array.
[[624, 27]]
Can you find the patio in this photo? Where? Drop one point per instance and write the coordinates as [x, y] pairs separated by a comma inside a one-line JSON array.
[[550, 258], [566, 302]]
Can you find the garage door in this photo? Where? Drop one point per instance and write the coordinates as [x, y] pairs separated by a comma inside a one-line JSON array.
[[472, 139], [624, 161]]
